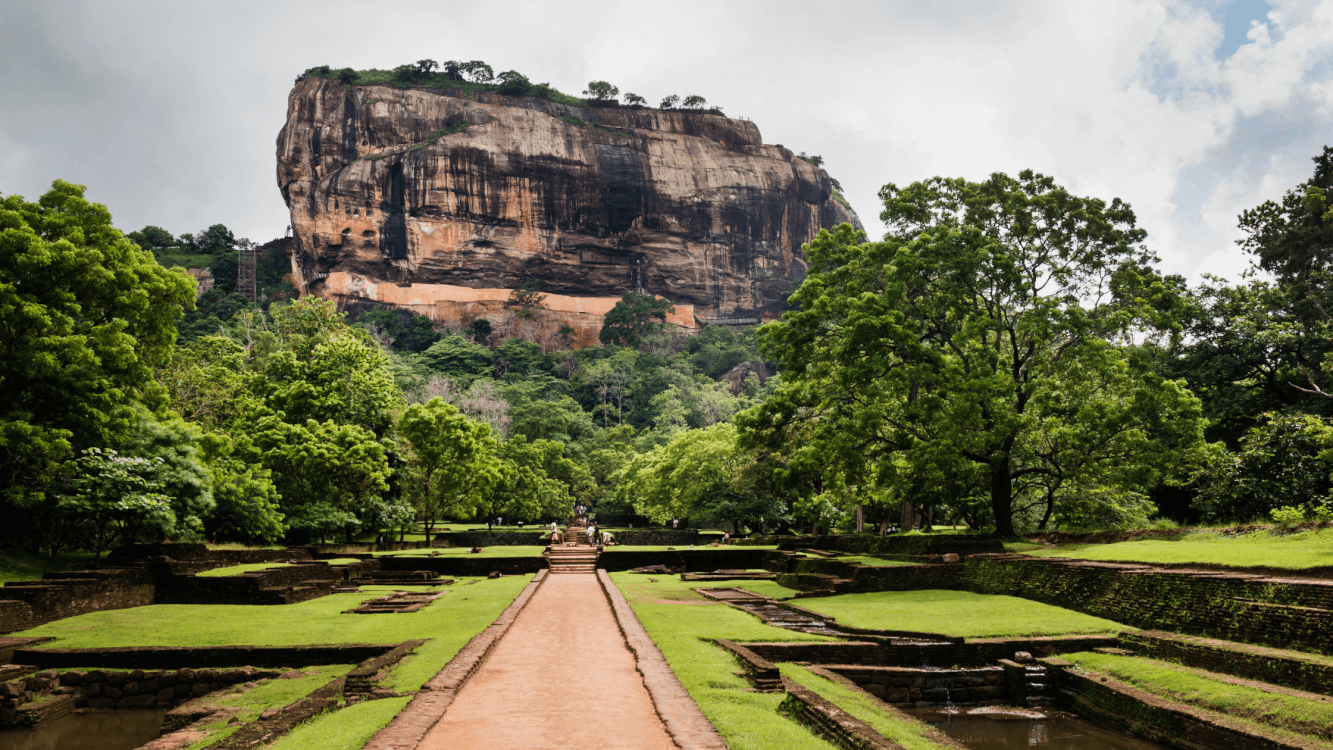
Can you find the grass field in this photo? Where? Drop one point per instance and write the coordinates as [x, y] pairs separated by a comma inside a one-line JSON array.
[[235, 570], [1288, 714], [900, 728], [347, 729], [681, 622], [16, 565], [959, 613], [1306, 549], [873, 561]]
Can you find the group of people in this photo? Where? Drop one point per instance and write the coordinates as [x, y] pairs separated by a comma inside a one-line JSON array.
[[595, 536]]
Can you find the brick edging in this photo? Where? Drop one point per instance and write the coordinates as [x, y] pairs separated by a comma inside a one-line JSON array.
[[926, 731], [830, 722], [412, 724], [686, 724]]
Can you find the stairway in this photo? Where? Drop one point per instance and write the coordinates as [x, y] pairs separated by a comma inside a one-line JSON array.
[[572, 559]]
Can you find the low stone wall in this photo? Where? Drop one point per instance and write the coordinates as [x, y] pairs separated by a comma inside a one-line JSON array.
[[1109, 701], [907, 686], [1285, 613], [761, 672], [27, 604], [896, 544], [112, 689], [830, 722], [693, 561], [199, 552], [525, 538], [216, 657], [269, 586], [1285, 668], [465, 565], [973, 652]]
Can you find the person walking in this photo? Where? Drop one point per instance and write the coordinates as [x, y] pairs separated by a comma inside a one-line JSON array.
[[592, 535]]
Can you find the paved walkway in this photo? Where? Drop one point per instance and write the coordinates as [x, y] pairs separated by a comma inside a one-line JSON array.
[[561, 677]]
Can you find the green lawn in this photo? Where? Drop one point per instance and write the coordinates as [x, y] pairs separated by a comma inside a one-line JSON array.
[[496, 551], [452, 619], [873, 561], [893, 724], [960, 613], [276, 693], [16, 565], [680, 621], [346, 729], [235, 570], [1287, 714], [1306, 549]]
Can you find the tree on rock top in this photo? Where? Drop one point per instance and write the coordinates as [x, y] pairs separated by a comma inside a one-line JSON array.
[[601, 91], [634, 317], [979, 339]]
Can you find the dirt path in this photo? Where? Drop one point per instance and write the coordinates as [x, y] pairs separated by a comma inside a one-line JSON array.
[[561, 677]]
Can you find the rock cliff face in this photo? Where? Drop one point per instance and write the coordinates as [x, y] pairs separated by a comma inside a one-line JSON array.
[[442, 201]]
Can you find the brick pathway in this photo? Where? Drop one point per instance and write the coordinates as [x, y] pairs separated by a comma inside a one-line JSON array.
[[561, 677]]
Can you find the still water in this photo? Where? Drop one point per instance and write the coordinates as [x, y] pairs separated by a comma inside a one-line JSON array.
[[111, 730], [1056, 731]]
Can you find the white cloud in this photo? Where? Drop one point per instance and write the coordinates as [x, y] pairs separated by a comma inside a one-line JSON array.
[[169, 112]]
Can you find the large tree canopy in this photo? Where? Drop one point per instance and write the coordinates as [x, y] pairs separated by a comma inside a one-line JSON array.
[[85, 316], [977, 337]]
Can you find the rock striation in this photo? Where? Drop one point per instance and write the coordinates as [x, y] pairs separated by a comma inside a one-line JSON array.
[[443, 201]]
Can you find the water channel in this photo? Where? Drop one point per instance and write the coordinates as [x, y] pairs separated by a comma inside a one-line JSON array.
[[90, 730], [989, 730]]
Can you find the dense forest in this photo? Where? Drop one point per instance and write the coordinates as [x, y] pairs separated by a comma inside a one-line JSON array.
[[1007, 357]]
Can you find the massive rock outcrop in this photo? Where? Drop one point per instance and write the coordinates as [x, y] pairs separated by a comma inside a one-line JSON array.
[[442, 201]]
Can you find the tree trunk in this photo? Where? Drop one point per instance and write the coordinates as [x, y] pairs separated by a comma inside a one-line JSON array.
[[1050, 507], [1001, 499]]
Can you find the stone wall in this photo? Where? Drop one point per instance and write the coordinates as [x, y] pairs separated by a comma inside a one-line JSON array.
[[465, 565], [1108, 701], [912, 545], [216, 657], [27, 604], [906, 686], [1254, 662], [693, 561], [282, 585], [830, 722], [1285, 613], [967, 653], [98, 688]]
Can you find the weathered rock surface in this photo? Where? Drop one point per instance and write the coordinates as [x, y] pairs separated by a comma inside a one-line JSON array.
[[387, 207]]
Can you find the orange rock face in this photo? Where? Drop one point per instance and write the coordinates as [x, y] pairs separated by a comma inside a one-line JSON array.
[[443, 202]]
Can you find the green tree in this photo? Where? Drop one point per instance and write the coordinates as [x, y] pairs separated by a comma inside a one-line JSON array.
[[345, 380], [634, 100], [694, 102], [944, 344], [1285, 460], [632, 318], [514, 83], [110, 496], [670, 102], [152, 238], [478, 71], [704, 475], [326, 473], [601, 91], [451, 461], [459, 359], [248, 504], [86, 316], [177, 467], [527, 489], [1293, 237], [525, 301]]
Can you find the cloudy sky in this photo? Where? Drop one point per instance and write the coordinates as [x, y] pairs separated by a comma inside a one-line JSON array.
[[1191, 111]]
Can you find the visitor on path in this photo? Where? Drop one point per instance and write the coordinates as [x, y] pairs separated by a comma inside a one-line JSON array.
[[592, 534], [725, 537]]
